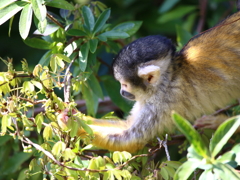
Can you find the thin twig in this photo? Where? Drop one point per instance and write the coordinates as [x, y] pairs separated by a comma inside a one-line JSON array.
[[67, 83], [203, 7], [164, 144], [33, 102], [54, 20]]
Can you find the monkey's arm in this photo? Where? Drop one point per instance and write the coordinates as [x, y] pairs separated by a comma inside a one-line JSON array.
[[124, 135]]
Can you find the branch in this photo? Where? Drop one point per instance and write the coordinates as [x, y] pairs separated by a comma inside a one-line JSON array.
[[67, 83], [203, 7], [54, 20]]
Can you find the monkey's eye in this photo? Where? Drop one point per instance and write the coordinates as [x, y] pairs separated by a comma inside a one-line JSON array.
[[124, 85]]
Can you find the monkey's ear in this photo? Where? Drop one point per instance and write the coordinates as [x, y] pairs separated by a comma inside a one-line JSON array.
[[150, 74]]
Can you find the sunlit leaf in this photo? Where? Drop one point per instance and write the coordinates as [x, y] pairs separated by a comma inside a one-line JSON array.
[[25, 21], [39, 9], [47, 133], [28, 86], [53, 63], [58, 148], [191, 134], [4, 3], [10, 10], [41, 25], [6, 122], [185, 170], [39, 121], [222, 134], [226, 172], [68, 154]]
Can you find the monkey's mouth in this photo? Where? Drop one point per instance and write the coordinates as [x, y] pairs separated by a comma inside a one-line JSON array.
[[127, 95]]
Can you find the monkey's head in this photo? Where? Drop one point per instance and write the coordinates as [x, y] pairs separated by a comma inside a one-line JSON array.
[[139, 66]]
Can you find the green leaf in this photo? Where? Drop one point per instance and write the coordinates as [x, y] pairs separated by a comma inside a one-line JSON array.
[[101, 21], [39, 121], [4, 3], [45, 28], [41, 25], [83, 56], [28, 86], [25, 21], [6, 122], [91, 100], [164, 173], [226, 172], [185, 170], [191, 134], [94, 85], [63, 57], [208, 174], [183, 36], [45, 59], [223, 134], [167, 5], [53, 63], [117, 157], [68, 154], [236, 150], [58, 148], [112, 87], [47, 133], [39, 9], [176, 13], [93, 45], [88, 18], [14, 162], [61, 4], [37, 43], [10, 10], [37, 84], [170, 171], [130, 27], [228, 158], [76, 32], [174, 164], [113, 34]]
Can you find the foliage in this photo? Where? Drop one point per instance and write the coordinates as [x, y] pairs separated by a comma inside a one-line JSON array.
[[31, 98], [202, 157]]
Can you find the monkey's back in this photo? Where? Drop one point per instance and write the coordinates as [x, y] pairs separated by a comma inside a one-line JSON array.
[[206, 73]]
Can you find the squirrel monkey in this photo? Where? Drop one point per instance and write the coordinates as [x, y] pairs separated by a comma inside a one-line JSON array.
[[201, 78]]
